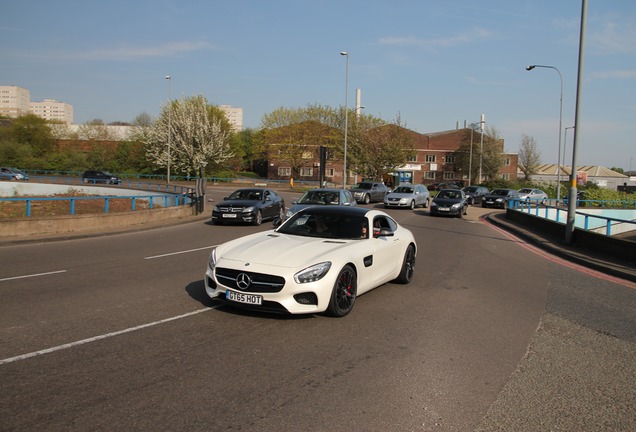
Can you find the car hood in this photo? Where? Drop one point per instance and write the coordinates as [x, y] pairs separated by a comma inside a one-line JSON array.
[[446, 201], [238, 203], [270, 248], [400, 195]]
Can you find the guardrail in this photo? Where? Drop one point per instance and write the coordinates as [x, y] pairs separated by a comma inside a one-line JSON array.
[[181, 199], [538, 208], [175, 195]]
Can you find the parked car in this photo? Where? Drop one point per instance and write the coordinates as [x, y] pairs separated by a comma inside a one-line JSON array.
[[451, 202], [322, 196], [367, 192], [409, 196], [298, 269], [100, 177], [532, 195], [499, 197], [8, 173], [249, 205], [440, 186], [475, 194]]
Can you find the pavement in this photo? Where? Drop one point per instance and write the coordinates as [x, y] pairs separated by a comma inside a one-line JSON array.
[[578, 372]]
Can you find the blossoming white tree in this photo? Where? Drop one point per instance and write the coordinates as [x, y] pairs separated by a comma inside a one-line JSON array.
[[199, 136]]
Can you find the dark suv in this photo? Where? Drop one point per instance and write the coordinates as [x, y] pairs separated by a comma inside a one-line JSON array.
[[100, 177]]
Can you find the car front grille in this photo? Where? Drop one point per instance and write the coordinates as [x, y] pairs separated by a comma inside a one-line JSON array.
[[259, 282]]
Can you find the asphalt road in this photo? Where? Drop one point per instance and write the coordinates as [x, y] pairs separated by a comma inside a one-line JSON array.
[[116, 333]]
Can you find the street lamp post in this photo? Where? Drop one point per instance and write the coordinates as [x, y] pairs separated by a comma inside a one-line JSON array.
[[344, 165], [529, 68], [565, 144], [169, 78], [481, 146], [470, 156]]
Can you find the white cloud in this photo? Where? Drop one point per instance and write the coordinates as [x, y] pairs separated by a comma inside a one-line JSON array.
[[123, 53]]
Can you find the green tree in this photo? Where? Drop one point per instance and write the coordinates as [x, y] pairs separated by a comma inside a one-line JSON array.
[[33, 131]]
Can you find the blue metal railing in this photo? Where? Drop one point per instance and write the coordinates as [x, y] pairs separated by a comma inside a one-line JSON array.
[[543, 211], [180, 199]]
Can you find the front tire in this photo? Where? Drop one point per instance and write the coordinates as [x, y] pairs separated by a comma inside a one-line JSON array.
[[258, 219], [408, 266], [343, 295], [412, 205], [367, 199]]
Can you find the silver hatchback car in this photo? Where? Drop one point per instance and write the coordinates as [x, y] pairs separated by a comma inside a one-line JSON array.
[[408, 196]]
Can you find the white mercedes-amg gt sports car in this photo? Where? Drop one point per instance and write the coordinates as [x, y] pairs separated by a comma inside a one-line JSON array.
[[319, 260]]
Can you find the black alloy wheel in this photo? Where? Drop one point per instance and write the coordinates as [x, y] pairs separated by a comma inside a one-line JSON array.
[[343, 295], [408, 266]]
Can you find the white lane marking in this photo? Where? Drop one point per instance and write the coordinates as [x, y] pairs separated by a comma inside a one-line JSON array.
[[32, 275], [180, 252], [100, 337]]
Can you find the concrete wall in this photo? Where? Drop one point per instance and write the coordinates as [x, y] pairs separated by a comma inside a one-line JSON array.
[[621, 248], [32, 227], [25, 228]]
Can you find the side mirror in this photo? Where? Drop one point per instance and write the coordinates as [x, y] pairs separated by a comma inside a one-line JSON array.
[[277, 222]]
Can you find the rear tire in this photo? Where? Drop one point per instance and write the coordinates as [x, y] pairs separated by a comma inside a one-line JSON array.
[[343, 295]]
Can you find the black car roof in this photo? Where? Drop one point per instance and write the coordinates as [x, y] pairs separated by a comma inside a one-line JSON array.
[[336, 210]]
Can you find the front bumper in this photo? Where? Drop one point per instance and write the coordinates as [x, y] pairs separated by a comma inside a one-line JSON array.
[[292, 298]]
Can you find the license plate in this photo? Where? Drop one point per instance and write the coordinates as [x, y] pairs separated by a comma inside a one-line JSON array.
[[244, 298], [444, 209], [230, 215]]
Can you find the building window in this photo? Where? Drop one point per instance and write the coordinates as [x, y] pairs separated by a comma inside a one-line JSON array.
[[449, 159], [449, 175], [430, 158], [412, 158], [505, 176], [284, 172], [429, 175], [329, 172], [306, 172], [507, 162]]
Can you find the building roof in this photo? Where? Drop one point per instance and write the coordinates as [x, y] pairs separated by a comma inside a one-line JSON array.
[[591, 170]]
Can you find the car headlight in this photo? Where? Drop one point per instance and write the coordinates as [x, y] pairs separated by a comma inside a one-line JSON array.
[[212, 261], [248, 209], [289, 214], [458, 205], [433, 204], [313, 273], [499, 199], [404, 200]]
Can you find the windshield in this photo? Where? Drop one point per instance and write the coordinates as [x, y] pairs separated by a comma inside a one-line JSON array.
[[363, 185], [245, 194], [525, 191], [502, 192], [330, 226], [319, 197], [403, 189], [470, 189], [450, 194]]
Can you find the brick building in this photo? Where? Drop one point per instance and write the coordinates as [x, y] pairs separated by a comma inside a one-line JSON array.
[[439, 157]]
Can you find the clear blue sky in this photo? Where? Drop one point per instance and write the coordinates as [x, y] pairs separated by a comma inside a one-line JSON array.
[[434, 63]]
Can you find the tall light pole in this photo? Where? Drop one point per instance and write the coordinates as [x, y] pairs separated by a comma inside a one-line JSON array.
[[169, 78], [529, 68], [344, 166], [569, 226], [470, 157], [481, 146], [565, 144]]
